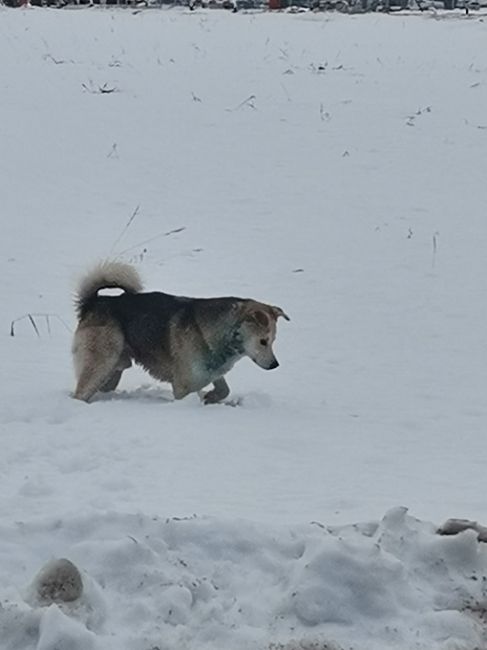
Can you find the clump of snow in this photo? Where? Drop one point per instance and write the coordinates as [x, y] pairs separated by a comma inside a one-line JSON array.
[[58, 581]]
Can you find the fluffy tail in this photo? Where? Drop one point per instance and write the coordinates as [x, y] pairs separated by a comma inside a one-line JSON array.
[[106, 275]]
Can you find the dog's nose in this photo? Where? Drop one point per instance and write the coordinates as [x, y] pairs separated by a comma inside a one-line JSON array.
[[274, 364]]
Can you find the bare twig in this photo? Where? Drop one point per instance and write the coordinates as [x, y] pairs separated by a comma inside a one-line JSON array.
[[33, 323], [99, 90], [56, 61], [151, 239], [250, 102], [127, 226], [174, 231], [113, 151], [31, 318], [482, 127], [106, 90], [435, 248]]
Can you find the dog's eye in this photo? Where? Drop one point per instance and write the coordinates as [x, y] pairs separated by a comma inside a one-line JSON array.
[[263, 342]]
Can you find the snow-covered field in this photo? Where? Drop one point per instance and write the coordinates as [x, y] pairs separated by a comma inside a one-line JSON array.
[[332, 165]]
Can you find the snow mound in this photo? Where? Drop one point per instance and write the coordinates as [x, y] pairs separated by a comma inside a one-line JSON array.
[[207, 583]]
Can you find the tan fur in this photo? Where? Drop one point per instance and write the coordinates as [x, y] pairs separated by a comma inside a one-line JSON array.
[[191, 353], [97, 352]]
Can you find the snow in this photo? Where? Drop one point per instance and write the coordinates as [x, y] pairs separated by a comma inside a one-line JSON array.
[[332, 165], [205, 583]]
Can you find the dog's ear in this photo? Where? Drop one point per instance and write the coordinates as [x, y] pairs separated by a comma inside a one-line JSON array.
[[257, 316], [277, 311]]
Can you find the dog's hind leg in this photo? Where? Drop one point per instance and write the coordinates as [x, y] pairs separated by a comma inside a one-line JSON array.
[[123, 363], [96, 351], [219, 392], [112, 382]]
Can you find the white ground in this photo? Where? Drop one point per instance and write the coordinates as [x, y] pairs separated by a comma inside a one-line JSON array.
[[331, 165]]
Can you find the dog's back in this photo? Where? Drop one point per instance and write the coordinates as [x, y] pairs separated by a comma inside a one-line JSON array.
[[143, 318]]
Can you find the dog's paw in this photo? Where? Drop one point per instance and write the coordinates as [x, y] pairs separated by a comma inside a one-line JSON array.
[[211, 397], [237, 401]]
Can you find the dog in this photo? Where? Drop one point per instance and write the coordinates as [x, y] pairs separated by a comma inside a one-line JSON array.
[[188, 342]]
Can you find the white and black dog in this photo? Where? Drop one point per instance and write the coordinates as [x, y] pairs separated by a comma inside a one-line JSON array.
[[189, 342]]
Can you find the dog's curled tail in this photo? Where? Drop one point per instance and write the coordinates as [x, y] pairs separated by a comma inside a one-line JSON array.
[[106, 275]]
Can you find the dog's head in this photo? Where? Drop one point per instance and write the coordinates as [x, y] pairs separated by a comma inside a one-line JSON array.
[[258, 331]]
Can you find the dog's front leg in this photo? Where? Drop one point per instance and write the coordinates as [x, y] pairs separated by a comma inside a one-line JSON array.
[[219, 392], [180, 390]]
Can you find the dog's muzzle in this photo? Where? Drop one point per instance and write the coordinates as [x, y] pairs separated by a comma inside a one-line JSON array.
[[274, 364]]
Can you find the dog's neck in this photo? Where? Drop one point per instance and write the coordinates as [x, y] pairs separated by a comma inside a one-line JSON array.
[[227, 350]]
